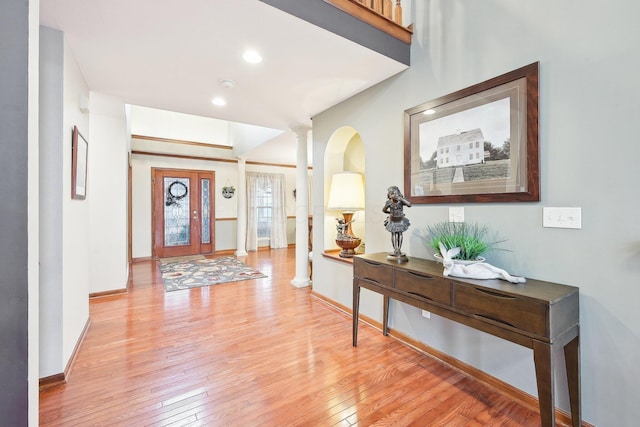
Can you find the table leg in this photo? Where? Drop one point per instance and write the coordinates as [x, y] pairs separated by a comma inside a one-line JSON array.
[[356, 306], [543, 358], [385, 316], [572, 362]]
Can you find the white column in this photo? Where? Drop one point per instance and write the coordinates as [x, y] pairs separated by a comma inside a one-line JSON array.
[[302, 210], [241, 204]]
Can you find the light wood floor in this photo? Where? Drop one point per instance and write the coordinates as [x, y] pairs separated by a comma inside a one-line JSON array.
[[256, 353]]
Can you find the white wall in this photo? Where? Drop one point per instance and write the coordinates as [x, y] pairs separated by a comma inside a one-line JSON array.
[[108, 163], [64, 223], [50, 199], [141, 200], [225, 238], [168, 124], [83, 242], [75, 219], [588, 55]]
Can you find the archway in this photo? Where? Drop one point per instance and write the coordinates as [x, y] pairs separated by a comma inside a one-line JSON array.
[[344, 152]]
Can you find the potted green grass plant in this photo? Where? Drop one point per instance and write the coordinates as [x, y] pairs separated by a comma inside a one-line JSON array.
[[471, 238]]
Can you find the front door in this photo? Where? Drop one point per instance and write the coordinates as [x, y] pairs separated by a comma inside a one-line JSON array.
[[183, 207]]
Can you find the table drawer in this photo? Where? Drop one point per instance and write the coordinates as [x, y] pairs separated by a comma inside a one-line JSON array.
[[424, 286], [520, 313], [372, 271]]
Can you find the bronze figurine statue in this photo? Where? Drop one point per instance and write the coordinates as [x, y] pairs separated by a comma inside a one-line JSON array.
[[396, 223]]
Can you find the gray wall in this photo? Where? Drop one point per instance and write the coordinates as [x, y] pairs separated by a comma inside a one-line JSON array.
[[51, 196], [13, 212], [589, 152]]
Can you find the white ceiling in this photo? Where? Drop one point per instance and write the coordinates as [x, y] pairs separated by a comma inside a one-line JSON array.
[[171, 55]]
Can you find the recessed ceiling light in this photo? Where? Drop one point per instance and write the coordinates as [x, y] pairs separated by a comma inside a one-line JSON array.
[[219, 101], [252, 57], [429, 112]]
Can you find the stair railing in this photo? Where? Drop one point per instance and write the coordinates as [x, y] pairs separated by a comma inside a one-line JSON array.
[[385, 8]]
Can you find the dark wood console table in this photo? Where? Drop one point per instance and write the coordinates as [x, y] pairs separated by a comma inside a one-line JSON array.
[[539, 315]]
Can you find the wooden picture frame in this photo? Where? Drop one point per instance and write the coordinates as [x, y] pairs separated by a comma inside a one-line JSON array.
[[79, 150], [476, 145]]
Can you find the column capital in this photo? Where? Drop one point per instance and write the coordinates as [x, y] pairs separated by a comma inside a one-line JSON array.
[[301, 131]]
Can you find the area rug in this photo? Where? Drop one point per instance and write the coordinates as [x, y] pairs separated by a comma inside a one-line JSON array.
[[205, 272]]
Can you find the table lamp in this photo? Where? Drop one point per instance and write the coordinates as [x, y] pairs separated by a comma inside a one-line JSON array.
[[346, 195]]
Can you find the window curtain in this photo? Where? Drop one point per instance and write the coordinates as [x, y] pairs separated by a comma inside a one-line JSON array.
[[255, 181], [278, 214], [252, 211]]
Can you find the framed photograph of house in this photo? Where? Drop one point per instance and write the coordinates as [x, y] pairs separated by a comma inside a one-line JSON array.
[[79, 152], [479, 144]]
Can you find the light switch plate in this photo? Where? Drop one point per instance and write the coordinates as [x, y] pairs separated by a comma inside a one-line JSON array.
[[456, 214], [562, 217]]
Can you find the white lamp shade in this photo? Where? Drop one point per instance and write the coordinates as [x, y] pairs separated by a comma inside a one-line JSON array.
[[347, 192]]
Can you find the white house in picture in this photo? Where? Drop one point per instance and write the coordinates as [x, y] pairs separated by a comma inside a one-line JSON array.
[[460, 149]]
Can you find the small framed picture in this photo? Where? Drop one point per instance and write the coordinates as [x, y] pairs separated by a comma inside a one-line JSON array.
[[80, 149]]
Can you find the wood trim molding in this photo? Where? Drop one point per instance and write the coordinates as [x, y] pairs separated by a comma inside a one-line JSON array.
[[235, 218], [180, 141], [51, 381], [74, 353], [108, 293], [225, 252], [364, 14], [212, 159], [129, 274], [281, 165], [506, 389], [334, 255], [183, 156], [61, 378]]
